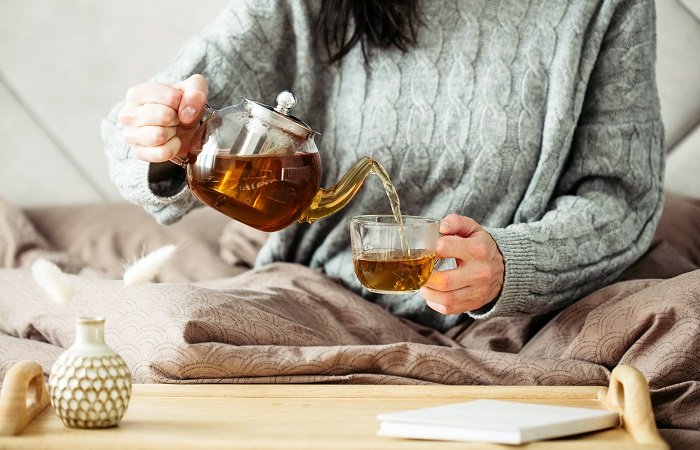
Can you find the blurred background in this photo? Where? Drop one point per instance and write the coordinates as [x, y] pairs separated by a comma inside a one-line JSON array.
[[65, 63]]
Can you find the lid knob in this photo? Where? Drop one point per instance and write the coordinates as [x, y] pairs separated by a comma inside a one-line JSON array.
[[285, 101]]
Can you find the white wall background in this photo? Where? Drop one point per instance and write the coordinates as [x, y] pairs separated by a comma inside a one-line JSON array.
[[65, 63]]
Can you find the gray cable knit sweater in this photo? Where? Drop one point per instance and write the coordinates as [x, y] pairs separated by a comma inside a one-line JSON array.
[[537, 118]]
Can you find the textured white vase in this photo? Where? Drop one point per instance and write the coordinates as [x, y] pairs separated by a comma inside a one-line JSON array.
[[89, 384]]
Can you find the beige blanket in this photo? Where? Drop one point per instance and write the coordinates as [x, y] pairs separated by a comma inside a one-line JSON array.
[[288, 324]]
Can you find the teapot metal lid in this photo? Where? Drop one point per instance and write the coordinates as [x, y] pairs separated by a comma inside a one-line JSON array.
[[279, 115]]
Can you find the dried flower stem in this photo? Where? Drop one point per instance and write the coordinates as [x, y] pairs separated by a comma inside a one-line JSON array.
[[52, 280], [144, 269], [59, 288]]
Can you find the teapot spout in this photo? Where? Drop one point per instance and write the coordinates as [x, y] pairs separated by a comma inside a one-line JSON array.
[[332, 200]]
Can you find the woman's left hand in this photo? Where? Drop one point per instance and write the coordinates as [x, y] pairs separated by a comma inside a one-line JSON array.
[[478, 277]]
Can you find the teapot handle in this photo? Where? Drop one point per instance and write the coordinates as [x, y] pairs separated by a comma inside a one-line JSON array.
[[209, 113]]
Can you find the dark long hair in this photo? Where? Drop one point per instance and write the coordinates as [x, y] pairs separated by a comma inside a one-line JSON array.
[[372, 23]]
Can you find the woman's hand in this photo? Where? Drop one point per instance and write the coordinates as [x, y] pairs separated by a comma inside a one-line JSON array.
[[478, 277], [161, 121]]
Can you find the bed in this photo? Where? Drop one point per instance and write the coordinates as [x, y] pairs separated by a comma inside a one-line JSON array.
[[191, 326]]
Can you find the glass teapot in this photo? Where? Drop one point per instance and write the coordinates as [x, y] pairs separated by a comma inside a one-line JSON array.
[[259, 165]]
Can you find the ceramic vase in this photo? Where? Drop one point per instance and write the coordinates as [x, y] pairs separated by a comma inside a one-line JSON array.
[[89, 384]]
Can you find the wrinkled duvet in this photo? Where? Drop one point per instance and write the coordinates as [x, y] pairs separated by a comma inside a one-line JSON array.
[[209, 318]]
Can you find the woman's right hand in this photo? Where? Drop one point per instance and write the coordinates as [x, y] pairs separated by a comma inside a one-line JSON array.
[[161, 121]]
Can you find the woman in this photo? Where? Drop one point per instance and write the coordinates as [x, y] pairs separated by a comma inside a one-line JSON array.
[[532, 127]]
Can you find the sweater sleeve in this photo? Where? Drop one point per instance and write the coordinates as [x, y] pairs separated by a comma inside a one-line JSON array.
[[609, 196], [244, 52]]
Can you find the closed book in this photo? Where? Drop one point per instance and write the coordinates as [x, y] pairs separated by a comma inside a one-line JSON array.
[[497, 421]]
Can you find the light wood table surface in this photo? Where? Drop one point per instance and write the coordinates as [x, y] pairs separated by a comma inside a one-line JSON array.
[[320, 416]]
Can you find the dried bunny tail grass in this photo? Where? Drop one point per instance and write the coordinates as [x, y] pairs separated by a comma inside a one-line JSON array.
[[144, 269], [52, 280]]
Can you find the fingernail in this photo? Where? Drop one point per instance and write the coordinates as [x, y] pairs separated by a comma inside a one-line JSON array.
[[188, 113], [444, 226]]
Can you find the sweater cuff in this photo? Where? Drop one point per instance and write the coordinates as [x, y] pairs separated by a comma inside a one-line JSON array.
[[517, 251], [165, 209], [166, 179]]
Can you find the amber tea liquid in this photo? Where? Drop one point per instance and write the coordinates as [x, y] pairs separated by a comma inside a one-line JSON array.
[[394, 202], [394, 270], [265, 192]]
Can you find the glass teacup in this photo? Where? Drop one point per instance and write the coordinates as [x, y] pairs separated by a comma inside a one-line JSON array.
[[390, 258]]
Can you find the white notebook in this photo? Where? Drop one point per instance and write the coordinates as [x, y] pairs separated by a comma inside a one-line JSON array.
[[497, 421]]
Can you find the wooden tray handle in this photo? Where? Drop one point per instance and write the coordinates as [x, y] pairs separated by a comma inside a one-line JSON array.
[[23, 397], [628, 394]]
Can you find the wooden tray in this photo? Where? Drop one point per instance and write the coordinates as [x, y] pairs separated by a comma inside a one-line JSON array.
[[321, 416]]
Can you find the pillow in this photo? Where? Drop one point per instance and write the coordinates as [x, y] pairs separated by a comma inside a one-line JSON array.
[[680, 225], [107, 236], [239, 243], [675, 248]]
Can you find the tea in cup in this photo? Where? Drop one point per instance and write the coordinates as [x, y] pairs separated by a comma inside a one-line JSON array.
[[394, 258]]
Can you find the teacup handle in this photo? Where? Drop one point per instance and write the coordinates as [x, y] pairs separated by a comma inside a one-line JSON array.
[[438, 263]]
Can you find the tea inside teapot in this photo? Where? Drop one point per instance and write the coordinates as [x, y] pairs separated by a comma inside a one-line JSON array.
[[267, 192], [259, 165]]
